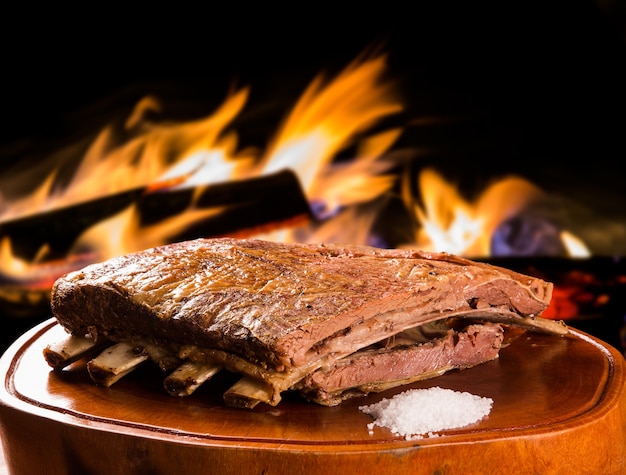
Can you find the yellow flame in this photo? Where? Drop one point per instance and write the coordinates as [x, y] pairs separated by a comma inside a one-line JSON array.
[[152, 151], [145, 151], [574, 245], [41, 199], [124, 233], [11, 266], [451, 223], [328, 118], [359, 181], [447, 222]]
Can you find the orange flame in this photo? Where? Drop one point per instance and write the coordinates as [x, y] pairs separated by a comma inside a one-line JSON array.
[[145, 158], [450, 223], [156, 155], [124, 234], [12, 266], [327, 119]]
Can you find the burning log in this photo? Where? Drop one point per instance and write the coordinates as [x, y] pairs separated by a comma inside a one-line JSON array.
[[244, 205]]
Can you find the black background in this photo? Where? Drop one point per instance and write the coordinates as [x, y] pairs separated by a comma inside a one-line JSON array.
[[552, 72]]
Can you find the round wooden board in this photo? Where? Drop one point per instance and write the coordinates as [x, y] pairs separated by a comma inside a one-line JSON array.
[[559, 402]]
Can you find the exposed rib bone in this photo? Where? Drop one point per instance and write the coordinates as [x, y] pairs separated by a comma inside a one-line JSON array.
[[115, 362], [247, 393], [166, 359], [188, 377], [65, 352]]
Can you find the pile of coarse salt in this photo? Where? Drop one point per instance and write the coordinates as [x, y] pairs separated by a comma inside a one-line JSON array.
[[419, 413]]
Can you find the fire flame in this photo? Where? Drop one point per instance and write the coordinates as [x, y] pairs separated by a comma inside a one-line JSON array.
[[327, 119], [449, 222], [155, 155], [347, 196]]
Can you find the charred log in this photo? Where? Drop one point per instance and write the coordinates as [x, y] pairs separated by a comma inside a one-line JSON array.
[[244, 205]]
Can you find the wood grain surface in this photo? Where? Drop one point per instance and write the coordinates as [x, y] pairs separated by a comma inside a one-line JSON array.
[[559, 402]]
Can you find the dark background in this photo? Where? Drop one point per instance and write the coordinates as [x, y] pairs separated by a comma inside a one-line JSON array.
[[548, 75]]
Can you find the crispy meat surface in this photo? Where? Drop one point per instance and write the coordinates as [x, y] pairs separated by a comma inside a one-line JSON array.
[[283, 306]]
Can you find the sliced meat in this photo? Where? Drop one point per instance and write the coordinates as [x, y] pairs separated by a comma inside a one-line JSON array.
[[375, 370]]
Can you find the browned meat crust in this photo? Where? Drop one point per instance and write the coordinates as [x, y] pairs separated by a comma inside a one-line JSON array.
[[282, 305]]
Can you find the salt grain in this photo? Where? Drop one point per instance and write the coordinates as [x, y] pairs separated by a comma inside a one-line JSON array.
[[420, 413]]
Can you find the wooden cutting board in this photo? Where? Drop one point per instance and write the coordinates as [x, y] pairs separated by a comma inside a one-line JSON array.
[[559, 404]]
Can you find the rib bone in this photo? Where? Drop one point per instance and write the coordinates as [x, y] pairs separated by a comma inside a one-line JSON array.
[[64, 352], [188, 377], [247, 393], [115, 362], [165, 359]]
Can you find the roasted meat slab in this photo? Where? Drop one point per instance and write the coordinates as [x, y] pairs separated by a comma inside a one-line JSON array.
[[287, 315]]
